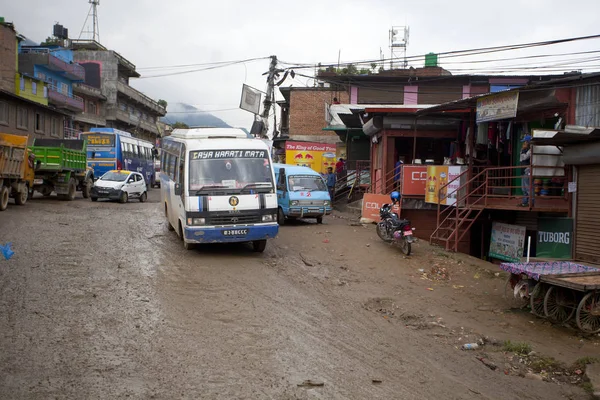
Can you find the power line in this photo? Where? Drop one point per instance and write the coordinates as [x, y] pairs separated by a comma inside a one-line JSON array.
[[202, 64], [201, 69], [448, 54]]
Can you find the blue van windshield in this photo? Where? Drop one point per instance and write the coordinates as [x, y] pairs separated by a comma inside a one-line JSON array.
[[299, 183]]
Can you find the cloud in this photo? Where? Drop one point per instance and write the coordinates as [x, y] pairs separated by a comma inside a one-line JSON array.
[[157, 33]]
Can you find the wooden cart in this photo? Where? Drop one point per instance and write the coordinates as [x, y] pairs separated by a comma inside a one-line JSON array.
[[557, 296]]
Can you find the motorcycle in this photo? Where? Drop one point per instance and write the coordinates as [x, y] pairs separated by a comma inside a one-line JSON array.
[[392, 229]]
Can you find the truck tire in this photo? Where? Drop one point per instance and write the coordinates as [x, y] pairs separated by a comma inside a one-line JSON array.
[[3, 198], [86, 188], [70, 196], [21, 197]]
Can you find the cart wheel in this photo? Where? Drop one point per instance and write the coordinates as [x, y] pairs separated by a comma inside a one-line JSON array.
[[521, 298], [536, 299], [588, 313], [559, 304]]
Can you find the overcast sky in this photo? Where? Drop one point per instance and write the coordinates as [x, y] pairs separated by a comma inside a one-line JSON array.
[[153, 33]]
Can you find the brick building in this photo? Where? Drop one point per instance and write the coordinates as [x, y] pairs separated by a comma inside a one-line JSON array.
[[304, 113]]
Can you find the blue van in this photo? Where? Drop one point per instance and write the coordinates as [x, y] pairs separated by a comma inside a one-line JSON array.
[[301, 193]]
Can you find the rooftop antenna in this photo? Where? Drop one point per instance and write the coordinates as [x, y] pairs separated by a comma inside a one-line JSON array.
[[398, 42], [93, 12]]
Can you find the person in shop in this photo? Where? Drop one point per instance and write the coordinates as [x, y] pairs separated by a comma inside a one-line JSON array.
[[336, 101], [525, 161], [330, 179]]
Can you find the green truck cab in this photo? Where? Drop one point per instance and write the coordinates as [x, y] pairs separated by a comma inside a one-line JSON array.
[[61, 167], [16, 169]]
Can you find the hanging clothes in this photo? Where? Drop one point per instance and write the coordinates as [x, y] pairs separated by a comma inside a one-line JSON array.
[[468, 142], [482, 133]]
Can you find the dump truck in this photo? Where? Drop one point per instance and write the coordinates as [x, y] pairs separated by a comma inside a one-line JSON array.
[[16, 169], [61, 167]]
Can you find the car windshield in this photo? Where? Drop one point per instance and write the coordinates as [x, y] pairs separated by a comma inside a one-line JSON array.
[[235, 175], [299, 183], [115, 176]]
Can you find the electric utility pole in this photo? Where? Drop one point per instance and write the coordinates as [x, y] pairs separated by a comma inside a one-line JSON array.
[[270, 97]]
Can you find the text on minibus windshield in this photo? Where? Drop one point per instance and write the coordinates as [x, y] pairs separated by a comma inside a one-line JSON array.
[[220, 154]]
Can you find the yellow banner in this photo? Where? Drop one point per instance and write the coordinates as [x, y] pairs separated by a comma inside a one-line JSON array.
[[316, 156]]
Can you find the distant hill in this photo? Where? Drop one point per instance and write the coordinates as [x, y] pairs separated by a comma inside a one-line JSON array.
[[192, 116]]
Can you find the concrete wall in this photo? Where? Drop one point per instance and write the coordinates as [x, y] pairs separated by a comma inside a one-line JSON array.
[[8, 58], [48, 117], [109, 74], [31, 89], [307, 114]]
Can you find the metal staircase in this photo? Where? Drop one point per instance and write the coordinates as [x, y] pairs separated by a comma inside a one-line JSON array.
[[453, 222]]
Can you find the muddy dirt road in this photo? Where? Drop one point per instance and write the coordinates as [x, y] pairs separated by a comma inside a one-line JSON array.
[[101, 301]]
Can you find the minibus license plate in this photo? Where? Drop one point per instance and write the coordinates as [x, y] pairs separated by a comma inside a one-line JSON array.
[[235, 232]]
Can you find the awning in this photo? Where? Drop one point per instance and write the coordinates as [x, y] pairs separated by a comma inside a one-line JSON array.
[[571, 135]]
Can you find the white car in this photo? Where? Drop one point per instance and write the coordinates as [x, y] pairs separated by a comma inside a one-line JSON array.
[[120, 185]]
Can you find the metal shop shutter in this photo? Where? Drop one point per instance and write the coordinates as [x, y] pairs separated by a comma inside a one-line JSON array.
[[587, 243]]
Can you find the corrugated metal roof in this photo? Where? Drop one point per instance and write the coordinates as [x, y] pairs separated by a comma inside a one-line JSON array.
[[587, 106]]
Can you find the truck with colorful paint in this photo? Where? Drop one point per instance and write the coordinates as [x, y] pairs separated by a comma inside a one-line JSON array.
[[61, 167], [16, 169]]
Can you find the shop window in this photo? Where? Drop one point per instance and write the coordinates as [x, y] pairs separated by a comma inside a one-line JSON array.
[[3, 113], [64, 88], [22, 118], [39, 123]]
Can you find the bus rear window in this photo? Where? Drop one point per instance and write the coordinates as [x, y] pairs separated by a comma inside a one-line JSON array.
[[100, 140]]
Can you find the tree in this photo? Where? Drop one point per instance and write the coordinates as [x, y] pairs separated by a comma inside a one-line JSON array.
[[180, 125], [51, 41], [162, 103], [374, 67]]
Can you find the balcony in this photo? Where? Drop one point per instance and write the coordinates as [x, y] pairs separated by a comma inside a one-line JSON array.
[[89, 91], [30, 57], [89, 118], [136, 122], [140, 98], [64, 100]]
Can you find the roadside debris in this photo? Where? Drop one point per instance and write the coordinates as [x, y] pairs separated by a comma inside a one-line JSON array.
[[7, 251], [305, 261], [470, 346], [311, 383], [488, 363], [376, 380]]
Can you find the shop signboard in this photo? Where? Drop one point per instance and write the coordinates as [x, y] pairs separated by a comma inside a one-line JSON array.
[[554, 238], [507, 242], [371, 204], [317, 156], [440, 175], [497, 106], [414, 179]]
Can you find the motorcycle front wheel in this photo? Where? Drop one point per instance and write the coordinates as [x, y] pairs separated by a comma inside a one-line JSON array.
[[382, 233], [404, 246]]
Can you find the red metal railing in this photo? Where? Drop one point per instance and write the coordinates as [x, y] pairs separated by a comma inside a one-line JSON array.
[[495, 187]]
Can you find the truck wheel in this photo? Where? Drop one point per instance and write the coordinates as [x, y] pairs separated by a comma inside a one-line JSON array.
[[319, 220], [259, 245], [72, 189], [3, 198], [94, 199], [123, 198], [280, 216], [87, 187], [21, 197]]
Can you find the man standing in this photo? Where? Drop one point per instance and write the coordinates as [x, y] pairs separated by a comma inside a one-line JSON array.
[[398, 173], [339, 168], [525, 161], [330, 180]]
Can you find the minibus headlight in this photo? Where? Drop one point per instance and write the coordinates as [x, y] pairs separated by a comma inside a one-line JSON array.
[[269, 218], [294, 203], [196, 221]]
